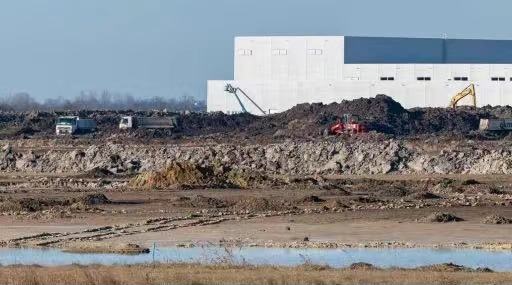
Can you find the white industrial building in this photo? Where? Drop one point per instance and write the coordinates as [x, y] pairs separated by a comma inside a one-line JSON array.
[[278, 73]]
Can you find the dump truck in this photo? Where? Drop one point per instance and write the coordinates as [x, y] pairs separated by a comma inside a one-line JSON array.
[[132, 122], [69, 125], [495, 125]]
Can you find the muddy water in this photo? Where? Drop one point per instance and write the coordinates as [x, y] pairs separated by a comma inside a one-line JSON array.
[[407, 258]]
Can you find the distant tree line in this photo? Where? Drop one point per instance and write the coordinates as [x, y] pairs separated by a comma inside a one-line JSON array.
[[101, 101]]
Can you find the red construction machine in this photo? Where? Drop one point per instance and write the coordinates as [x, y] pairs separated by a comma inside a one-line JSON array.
[[349, 124]]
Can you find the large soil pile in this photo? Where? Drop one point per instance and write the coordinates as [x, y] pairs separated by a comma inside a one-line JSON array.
[[189, 175], [381, 114]]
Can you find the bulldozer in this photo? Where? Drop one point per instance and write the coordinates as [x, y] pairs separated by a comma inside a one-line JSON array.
[[349, 124], [468, 91]]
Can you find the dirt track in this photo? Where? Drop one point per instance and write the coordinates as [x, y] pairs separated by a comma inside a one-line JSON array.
[[363, 212]]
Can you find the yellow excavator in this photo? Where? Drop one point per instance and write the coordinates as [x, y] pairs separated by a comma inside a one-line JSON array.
[[468, 91]]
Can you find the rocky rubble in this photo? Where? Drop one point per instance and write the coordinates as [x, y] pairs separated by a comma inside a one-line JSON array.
[[288, 158], [497, 220], [439, 217]]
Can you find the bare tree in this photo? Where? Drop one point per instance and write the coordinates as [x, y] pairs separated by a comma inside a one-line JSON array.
[[91, 100]]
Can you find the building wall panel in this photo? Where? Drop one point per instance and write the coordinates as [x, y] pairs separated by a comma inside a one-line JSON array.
[[253, 58], [279, 96], [280, 72]]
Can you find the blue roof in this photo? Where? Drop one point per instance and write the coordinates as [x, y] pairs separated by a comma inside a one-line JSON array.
[[424, 50]]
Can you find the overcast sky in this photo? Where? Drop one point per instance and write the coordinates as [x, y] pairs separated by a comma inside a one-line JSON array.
[[169, 48]]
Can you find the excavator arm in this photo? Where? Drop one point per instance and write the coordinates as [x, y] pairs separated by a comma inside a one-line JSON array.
[[468, 91]]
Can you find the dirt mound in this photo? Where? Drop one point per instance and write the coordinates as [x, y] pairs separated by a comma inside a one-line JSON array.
[[447, 186], [176, 173], [311, 199], [28, 205], [393, 191], [362, 266], [470, 182], [497, 220], [99, 172], [451, 267], [367, 200], [195, 124], [337, 204], [261, 205], [442, 218], [43, 208], [188, 175], [441, 120], [242, 179], [200, 201], [495, 191], [380, 113], [94, 199], [424, 196]]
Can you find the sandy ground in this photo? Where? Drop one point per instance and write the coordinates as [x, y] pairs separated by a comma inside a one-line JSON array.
[[321, 228], [352, 227], [337, 230]]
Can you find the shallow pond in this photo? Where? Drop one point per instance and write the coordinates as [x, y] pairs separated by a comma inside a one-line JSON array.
[[407, 258]]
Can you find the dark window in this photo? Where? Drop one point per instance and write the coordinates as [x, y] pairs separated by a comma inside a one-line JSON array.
[[428, 78], [464, 79], [421, 78], [494, 78], [457, 78], [384, 78], [498, 79], [391, 78], [502, 78], [461, 78]]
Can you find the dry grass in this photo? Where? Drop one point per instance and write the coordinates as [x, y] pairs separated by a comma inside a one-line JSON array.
[[224, 274]]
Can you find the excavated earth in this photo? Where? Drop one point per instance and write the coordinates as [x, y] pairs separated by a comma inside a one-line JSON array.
[[306, 121], [269, 181]]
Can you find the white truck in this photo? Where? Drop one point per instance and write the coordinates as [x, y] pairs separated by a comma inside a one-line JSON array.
[[69, 125], [132, 122], [495, 124]]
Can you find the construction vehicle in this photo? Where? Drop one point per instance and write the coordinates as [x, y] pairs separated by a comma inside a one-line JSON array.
[[234, 90], [70, 125], [468, 91], [495, 125], [349, 124], [132, 122]]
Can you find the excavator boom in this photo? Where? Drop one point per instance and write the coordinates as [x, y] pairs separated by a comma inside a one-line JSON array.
[[468, 91], [234, 90]]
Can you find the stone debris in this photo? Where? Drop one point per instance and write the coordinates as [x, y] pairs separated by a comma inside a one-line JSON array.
[[288, 158], [497, 220], [442, 218]]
